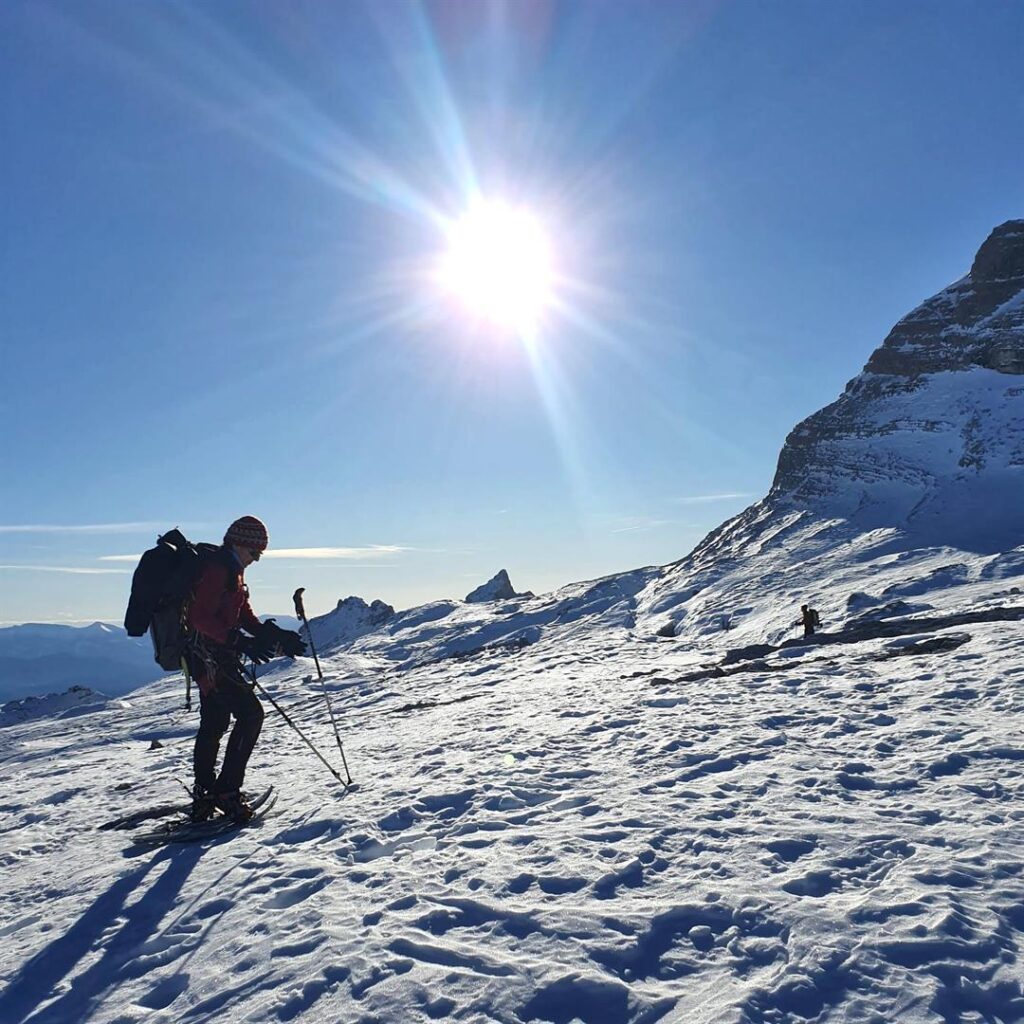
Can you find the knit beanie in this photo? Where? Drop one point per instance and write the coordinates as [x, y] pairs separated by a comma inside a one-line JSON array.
[[248, 532]]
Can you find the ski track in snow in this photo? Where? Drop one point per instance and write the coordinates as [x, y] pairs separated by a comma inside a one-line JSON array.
[[587, 838]]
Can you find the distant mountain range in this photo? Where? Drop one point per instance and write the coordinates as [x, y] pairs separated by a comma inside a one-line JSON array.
[[39, 658]]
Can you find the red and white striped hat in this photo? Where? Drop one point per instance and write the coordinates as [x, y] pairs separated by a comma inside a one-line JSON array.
[[248, 532]]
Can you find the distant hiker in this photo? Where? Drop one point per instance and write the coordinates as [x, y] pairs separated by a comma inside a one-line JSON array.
[[217, 613], [809, 619]]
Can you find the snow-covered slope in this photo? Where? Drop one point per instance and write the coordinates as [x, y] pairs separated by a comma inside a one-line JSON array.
[[592, 829], [916, 468], [914, 472]]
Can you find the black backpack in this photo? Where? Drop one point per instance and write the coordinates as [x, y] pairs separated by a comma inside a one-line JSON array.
[[161, 586]]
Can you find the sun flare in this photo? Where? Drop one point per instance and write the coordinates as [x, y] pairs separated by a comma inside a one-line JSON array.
[[498, 264]]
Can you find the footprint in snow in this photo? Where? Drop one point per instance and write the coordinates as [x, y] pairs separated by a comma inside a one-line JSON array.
[[744, 937], [295, 949], [866, 867], [312, 990], [398, 821], [295, 894], [445, 956], [791, 849], [631, 875], [591, 1001], [368, 849], [62, 796], [164, 992], [555, 885], [951, 764], [447, 805], [456, 913]]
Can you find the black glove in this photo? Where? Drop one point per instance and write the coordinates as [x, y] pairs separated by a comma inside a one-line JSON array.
[[288, 641], [255, 648]]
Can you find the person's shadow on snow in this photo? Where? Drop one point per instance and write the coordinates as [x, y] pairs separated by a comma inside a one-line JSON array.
[[38, 977]]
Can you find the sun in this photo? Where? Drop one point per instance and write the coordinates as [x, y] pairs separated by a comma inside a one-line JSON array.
[[498, 265]]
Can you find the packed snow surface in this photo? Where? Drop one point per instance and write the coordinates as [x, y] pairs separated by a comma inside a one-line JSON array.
[[596, 824]]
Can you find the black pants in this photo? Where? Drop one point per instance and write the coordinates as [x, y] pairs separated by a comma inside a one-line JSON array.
[[215, 710]]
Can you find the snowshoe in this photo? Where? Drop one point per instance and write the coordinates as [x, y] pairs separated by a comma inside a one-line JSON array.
[[203, 805], [185, 831], [234, 806]]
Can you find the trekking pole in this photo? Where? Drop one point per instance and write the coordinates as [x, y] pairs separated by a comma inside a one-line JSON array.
[[305, 739], [301, 612], [188, 683]]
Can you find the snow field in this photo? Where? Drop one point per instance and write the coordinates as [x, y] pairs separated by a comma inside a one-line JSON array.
[[577, 835]]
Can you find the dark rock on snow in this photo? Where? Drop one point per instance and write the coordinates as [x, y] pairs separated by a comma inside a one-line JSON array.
[[497, 588]]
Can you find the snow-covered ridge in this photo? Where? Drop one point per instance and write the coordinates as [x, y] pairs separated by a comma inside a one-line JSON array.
[[914, 472], [350, 619]]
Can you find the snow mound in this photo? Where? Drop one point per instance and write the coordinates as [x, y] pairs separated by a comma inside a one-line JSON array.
[[78, 699], [351, 619]]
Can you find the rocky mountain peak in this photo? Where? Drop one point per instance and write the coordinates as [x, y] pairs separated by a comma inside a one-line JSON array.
[[932, 431], [497, 588], [1001, 256], [352, 618], [976, 321]]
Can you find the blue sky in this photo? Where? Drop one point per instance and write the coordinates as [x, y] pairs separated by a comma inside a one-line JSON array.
[[216, 220]]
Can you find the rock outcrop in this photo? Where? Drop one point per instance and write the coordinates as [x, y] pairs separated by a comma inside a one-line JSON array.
[[497, 588], [974, 322], [932, 431]]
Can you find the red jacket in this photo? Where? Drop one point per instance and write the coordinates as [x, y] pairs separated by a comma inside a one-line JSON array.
[[220, 602]]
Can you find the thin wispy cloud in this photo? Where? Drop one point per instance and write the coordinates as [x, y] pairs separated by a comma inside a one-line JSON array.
[[72, 569], [333, 566], [336, 554], [698, 499], [373, 551], [83, 528], [637, 524]]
